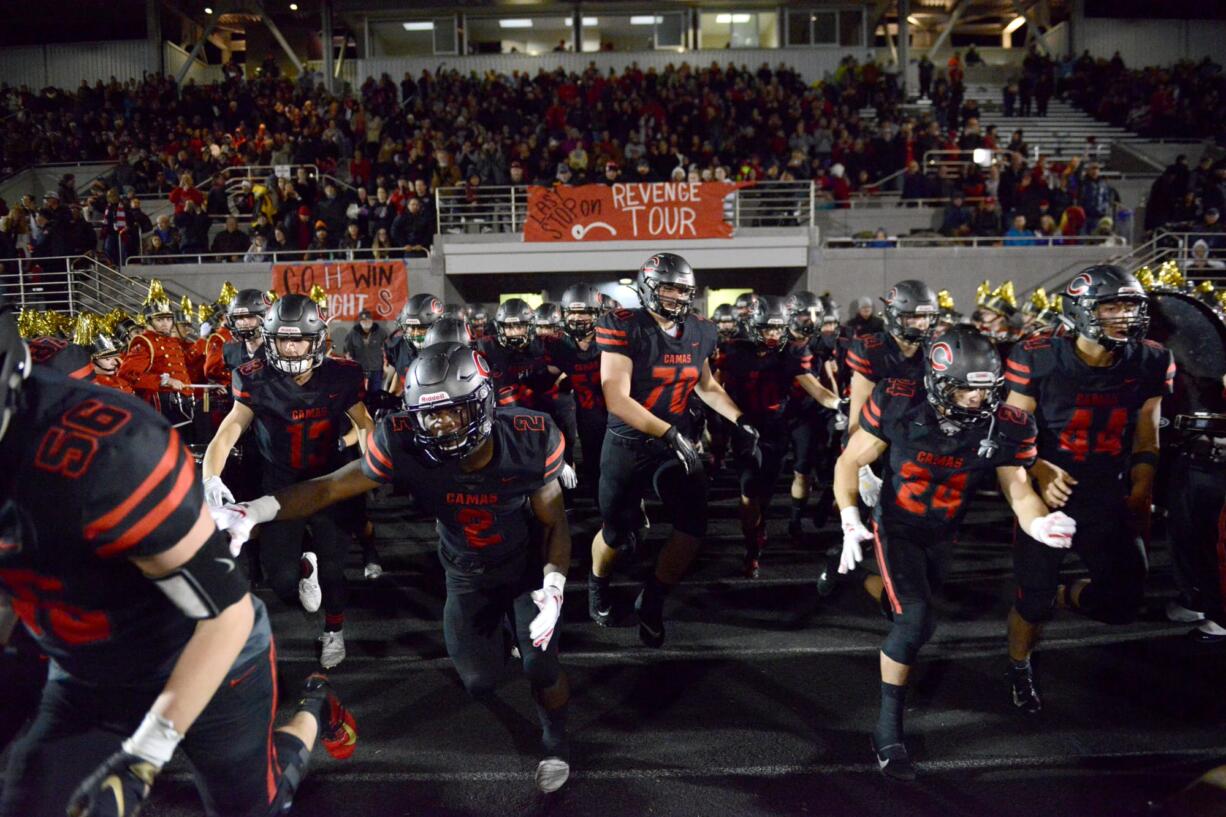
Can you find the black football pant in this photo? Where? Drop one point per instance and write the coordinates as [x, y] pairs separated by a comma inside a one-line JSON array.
[[759, 476], [592, 424], [629, 468], [1196, 490], [242, 768], [281, 548], [1112, 552], [914, 563], [481, 599]]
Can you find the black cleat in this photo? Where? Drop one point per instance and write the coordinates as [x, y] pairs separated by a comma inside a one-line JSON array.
[[1025, 695], [651, 620], [599, 606], [827, 580], [894, 761]]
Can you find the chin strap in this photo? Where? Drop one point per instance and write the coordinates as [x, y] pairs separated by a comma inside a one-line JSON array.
[[988, 445]]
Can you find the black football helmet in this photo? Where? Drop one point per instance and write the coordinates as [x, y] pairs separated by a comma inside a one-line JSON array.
[[963, 358], [582, 306], [1103, 284], [768, 313], [548, 316], [907, 300], [743, 307], [295, 317], [803, 309], [828, 325], [725, 321], [514, 312], [448, 329], [673, 270], [417, 316], [14, 364], [248, 302], [449, 376], [478, 317]]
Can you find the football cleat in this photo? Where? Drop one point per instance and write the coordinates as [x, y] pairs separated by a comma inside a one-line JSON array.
[[599, 606], [332, 652], [651, 620], [309, 592], [894, 761], [337, 730], [551, 774], [1025, 694], [373, 570]]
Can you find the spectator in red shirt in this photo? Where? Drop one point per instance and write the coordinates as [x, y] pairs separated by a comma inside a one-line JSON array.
[[185, 192]]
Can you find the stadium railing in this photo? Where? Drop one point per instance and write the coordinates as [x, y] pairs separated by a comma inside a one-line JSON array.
[[70, 284]]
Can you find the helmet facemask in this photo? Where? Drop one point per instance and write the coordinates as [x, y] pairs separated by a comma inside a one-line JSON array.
[[448, 429], [1116, 332], [943, 396], [675, 305], [518, 341], [581, 323], [310, 359]]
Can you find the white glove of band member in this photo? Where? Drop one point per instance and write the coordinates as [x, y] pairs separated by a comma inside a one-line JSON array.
[[1054, 530], [239, 520], [854, 533], [549, 601], [568, 477], [870, 486], [216, 493]]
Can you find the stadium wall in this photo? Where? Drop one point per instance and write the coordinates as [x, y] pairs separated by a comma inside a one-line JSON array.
[[811, 63], [64, 65], [1147, 42]]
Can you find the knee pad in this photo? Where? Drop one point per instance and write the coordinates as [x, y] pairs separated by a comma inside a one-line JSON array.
[[1035, 606], [911, 630], [480, 685], [542, 668]]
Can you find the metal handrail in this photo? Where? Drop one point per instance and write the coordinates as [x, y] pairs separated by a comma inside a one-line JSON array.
[[289, 256], [240, 173], [1170, 245], [74, 283], [995, 241]]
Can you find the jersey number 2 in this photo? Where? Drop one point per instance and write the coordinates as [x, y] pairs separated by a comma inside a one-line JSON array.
[[476, 522], [916, 482]]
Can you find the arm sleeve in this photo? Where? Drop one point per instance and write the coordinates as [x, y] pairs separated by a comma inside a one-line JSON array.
[[377, 462], [860, 358], [1020, 369], [614, 332], [872, 416], [150, 498]]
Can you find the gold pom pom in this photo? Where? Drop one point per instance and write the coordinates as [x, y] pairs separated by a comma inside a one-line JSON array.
[[85, 328], [1005, 293], [1040, 300], [156, 292], [319, 295], [945, 301], [228, 293]]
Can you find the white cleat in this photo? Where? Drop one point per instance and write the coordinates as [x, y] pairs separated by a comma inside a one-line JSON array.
[[373, 570], [333, 651], [309, 592], [1178, 613], [552, 774]]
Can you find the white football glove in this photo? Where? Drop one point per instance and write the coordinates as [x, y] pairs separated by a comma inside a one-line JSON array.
[[854, 533], [549, 601], [216, 493], [870, 486], [568, 477], [239, 520], [1054, 530]]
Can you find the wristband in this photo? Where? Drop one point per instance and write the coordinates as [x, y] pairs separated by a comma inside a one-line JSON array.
[[1145, 458], [154, 740], [263, 510], [851, 515]]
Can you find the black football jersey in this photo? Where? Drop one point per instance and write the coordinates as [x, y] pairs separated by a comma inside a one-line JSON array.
[[877, 356], [1087, 414], [92, 477], [666, 368], [761, 384], [485, 513], [403, 356], [235, 354], [581, 367], [67, 358], [929, 476], [296, 427], [520, 377]]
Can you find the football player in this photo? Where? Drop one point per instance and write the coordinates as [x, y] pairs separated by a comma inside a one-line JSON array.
[[487, 473], [301, 402], [415, 319], [652, 359], [547, 321], [1096, 396], [131, 592], [941, 440], [577, 355], [516, 358], [244, 319], [759, 376]]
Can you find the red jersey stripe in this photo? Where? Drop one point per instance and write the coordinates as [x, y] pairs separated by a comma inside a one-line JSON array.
[[155, 517], [112, 517], [557, 452]]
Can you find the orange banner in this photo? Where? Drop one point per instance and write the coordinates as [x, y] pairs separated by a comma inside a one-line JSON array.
[[629, 212], [380, 286]]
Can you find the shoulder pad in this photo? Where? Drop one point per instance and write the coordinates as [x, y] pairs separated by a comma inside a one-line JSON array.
[[623, 314], [901, 387], [873, 341], [251, 367], [1037, 342]]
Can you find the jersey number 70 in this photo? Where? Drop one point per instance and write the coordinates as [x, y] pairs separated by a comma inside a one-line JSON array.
[[682, 381]]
